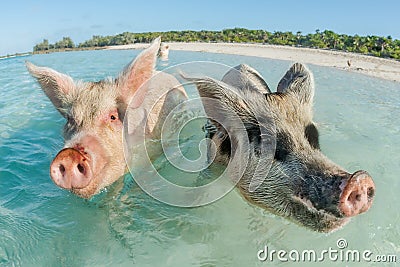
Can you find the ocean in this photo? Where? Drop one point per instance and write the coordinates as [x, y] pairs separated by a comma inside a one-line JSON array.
[[42, 225]]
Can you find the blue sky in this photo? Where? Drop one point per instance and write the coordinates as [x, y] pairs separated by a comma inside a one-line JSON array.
[[26, 23]]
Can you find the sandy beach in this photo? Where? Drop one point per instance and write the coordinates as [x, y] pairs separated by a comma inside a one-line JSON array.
[[373, 66]]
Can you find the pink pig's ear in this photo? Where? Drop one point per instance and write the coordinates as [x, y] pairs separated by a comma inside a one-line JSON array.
[[55, 85], [137, 73]]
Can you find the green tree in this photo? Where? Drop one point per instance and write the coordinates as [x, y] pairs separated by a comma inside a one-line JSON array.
[[66, 42], [43, 46]]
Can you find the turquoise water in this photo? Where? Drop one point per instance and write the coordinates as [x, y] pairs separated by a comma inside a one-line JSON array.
[[41, 225]]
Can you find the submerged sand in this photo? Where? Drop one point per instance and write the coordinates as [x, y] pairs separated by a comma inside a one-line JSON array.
[[373, 66]]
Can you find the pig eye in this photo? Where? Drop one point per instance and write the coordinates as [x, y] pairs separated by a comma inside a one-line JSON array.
[[113, 118], [312, 135], [282, 147], [280, 154]]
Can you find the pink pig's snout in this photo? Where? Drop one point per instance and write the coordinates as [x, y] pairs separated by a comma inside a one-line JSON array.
[[70, 169]]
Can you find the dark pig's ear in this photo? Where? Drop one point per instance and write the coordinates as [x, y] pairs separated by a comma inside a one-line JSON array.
[[245, 77], [227, 104], [220, 97], [299, 81], [137, 73], [55, 85]]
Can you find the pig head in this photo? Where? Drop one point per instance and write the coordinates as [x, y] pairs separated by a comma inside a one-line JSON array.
[[301, 183], [93, 156]]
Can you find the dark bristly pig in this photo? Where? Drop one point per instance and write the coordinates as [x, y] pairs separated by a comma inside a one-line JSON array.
[[301, 184], [93, 156]]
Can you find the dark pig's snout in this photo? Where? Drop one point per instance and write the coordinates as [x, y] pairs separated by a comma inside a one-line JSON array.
[[70, 169], [357, 194]]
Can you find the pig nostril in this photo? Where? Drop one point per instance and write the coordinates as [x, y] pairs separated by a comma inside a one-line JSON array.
[[354, 197], [81, 169], [370, 192], [62, 169]]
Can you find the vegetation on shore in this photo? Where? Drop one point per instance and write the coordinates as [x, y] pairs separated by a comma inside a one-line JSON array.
[[386, 47]]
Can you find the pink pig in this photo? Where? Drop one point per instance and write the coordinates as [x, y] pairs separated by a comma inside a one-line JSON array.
[[93, 156]]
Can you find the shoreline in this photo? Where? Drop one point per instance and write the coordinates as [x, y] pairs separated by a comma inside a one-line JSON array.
[[368, 65], [16, 55]]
